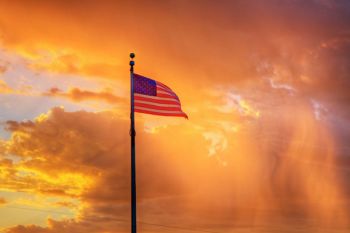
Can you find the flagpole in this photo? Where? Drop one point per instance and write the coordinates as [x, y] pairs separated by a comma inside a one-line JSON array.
[[132, 135]]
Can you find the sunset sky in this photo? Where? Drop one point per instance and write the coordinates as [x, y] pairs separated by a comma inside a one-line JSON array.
[[265, 85]]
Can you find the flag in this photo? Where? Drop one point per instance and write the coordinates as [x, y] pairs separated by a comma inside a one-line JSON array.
[[153, 97]]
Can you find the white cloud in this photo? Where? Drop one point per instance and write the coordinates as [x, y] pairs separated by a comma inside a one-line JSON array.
[[287, 87], [319, 110], [218, 142]]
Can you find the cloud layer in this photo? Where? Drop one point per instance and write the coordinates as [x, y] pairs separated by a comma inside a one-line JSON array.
[[86, 155]]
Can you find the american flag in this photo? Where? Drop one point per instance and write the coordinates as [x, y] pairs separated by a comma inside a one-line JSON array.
[[153, 97]]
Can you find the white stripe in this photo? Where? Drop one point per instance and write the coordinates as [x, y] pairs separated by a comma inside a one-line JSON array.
[[156, 104], [160, 111], [156, 97]]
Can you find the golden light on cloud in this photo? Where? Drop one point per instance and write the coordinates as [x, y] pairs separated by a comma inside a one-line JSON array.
[[74, 184], [248, 110]]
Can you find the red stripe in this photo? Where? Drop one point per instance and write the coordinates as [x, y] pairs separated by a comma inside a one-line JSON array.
[[163, 85], [164, 89], [174, 101], [167, 96], [170, 92], [162, 114], [157, 107], [161, 92]]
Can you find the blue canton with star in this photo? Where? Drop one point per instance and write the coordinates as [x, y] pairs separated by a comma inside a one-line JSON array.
[[144, 86]]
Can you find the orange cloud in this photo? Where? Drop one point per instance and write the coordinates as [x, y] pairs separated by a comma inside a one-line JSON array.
[[2, 69], [66, 204], [69, 226], [97, 44], [4, 88], [61, 152], [2, 201], [78, 95]]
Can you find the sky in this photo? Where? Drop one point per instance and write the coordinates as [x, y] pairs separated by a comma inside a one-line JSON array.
[[264, 83]]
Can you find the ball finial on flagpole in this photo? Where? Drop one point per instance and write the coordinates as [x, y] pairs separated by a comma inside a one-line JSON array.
[[132, 63]]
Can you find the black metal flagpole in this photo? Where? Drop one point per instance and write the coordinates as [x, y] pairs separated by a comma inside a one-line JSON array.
[[132, 135]]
